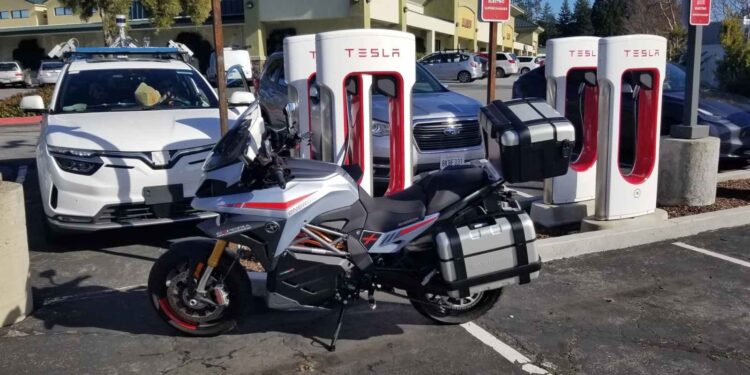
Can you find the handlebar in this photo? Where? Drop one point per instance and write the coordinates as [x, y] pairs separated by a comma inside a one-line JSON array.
[[278, 171]]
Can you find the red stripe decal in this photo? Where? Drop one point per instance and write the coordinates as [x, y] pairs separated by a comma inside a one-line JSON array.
[[168, 310], [416, 226], [280, 206]]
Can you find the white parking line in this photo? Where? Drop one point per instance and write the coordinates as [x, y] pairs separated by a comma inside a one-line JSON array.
[[713, 254], [503, 349], [21, 176]]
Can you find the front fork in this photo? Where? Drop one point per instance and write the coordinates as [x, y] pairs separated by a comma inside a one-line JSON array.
[[213, 261]]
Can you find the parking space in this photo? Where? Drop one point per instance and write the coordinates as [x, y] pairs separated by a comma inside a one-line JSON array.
[[478, 88]]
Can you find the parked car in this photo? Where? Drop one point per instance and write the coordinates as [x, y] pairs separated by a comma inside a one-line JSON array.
[[506, 63], [231, 57], [540, 59], [485, 64], [453, 65], [12, 73], [123, 141], [527, 64], [728, 116], [48, 72], [435, 109]]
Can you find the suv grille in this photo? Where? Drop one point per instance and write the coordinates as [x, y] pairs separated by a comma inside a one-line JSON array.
[[137, 211], [438, 136]]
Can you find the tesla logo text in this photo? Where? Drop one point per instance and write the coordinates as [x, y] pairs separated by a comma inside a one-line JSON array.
[[641, 52], [373, 52], [582, 53], [312, 53]]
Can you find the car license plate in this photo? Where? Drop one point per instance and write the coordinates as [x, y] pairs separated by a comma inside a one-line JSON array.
[[450, 160], [163, 194]]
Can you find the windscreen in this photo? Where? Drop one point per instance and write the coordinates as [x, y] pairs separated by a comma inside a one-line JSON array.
[[675, 79], [52, 65], [8, 67], [133, 90]]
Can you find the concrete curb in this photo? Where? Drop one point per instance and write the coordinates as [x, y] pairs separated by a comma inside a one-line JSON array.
[[741, 174], [20, 121], [612, 239]]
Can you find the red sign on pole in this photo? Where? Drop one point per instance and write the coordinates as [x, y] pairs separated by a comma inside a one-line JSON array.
[[495, 10], [700, 12]]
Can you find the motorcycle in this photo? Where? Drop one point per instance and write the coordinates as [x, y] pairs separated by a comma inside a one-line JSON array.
[[447, 247]]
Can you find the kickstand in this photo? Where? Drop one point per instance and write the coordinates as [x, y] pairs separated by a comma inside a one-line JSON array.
[[332, 347]]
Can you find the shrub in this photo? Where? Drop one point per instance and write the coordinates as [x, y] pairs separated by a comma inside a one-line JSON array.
[[9, 107], [733, 72]]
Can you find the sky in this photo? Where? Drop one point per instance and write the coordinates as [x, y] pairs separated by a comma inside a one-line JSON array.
[[555, 4]]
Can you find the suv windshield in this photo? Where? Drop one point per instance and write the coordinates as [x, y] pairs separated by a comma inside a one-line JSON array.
[[8, 67], [675, 79], [426, 83], [52, 65], [133, 89]]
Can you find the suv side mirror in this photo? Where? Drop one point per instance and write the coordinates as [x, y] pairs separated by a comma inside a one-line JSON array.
[[386, 85], [241, 99], [32, 104]]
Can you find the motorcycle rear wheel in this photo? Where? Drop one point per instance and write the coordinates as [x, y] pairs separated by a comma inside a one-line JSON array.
[[168, 288], [447, 310]]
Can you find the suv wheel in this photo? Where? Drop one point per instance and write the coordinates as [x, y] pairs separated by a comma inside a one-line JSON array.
[[500, 73], [464, 77], [524, 70]]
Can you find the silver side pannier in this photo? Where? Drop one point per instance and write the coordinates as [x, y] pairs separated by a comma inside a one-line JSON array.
[[490, 252]]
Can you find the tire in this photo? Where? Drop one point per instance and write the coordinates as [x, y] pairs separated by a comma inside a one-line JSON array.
[[524, 71], [179, 262], [464, 77], [483, 301], [500, 73]]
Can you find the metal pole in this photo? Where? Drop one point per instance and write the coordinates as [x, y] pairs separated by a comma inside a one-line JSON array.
[[689, 129], [221, 82], [492, 61]]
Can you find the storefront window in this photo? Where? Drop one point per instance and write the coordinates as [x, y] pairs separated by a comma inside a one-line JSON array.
[[61, 11], [24, 13], [4, 15]]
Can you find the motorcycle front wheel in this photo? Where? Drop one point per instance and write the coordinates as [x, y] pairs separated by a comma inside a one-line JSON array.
[[449, 310], [171, 286]]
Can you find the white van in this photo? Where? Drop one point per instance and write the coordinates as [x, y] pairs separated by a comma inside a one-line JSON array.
[[231, 57]]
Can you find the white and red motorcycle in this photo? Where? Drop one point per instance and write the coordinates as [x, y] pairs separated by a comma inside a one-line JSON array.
[[450, 242]]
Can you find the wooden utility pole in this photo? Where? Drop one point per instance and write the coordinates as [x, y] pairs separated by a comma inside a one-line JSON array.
[[221, 81], [491, 63]]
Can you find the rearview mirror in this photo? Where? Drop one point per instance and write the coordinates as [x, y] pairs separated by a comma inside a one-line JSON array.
[[32, 104], [386, 85], [590, 78], [241, 99], [314, 93]]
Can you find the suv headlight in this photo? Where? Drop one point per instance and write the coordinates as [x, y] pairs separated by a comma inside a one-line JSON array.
[[84, 162], [380, 129]]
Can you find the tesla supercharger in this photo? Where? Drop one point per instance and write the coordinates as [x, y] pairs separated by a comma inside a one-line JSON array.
[[572, 90], [299, 71], [349, 64], [631, 74]]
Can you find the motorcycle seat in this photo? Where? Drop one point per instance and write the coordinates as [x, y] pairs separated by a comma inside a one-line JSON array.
[[444, 188], [431, 194], [390, 212]]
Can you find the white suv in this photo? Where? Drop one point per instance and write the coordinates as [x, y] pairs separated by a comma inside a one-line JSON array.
[[527, 64], [123, 141]]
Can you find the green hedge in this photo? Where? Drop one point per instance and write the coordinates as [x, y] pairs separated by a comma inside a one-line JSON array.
[[9, 106]]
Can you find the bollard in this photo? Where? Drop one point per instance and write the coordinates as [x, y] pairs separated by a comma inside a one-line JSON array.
[[15, 288]]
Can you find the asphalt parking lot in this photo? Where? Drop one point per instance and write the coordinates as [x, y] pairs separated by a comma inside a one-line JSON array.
[[661, 308]]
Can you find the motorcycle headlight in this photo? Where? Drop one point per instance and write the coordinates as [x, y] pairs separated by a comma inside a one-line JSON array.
[[84, 162], [380, 129]]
